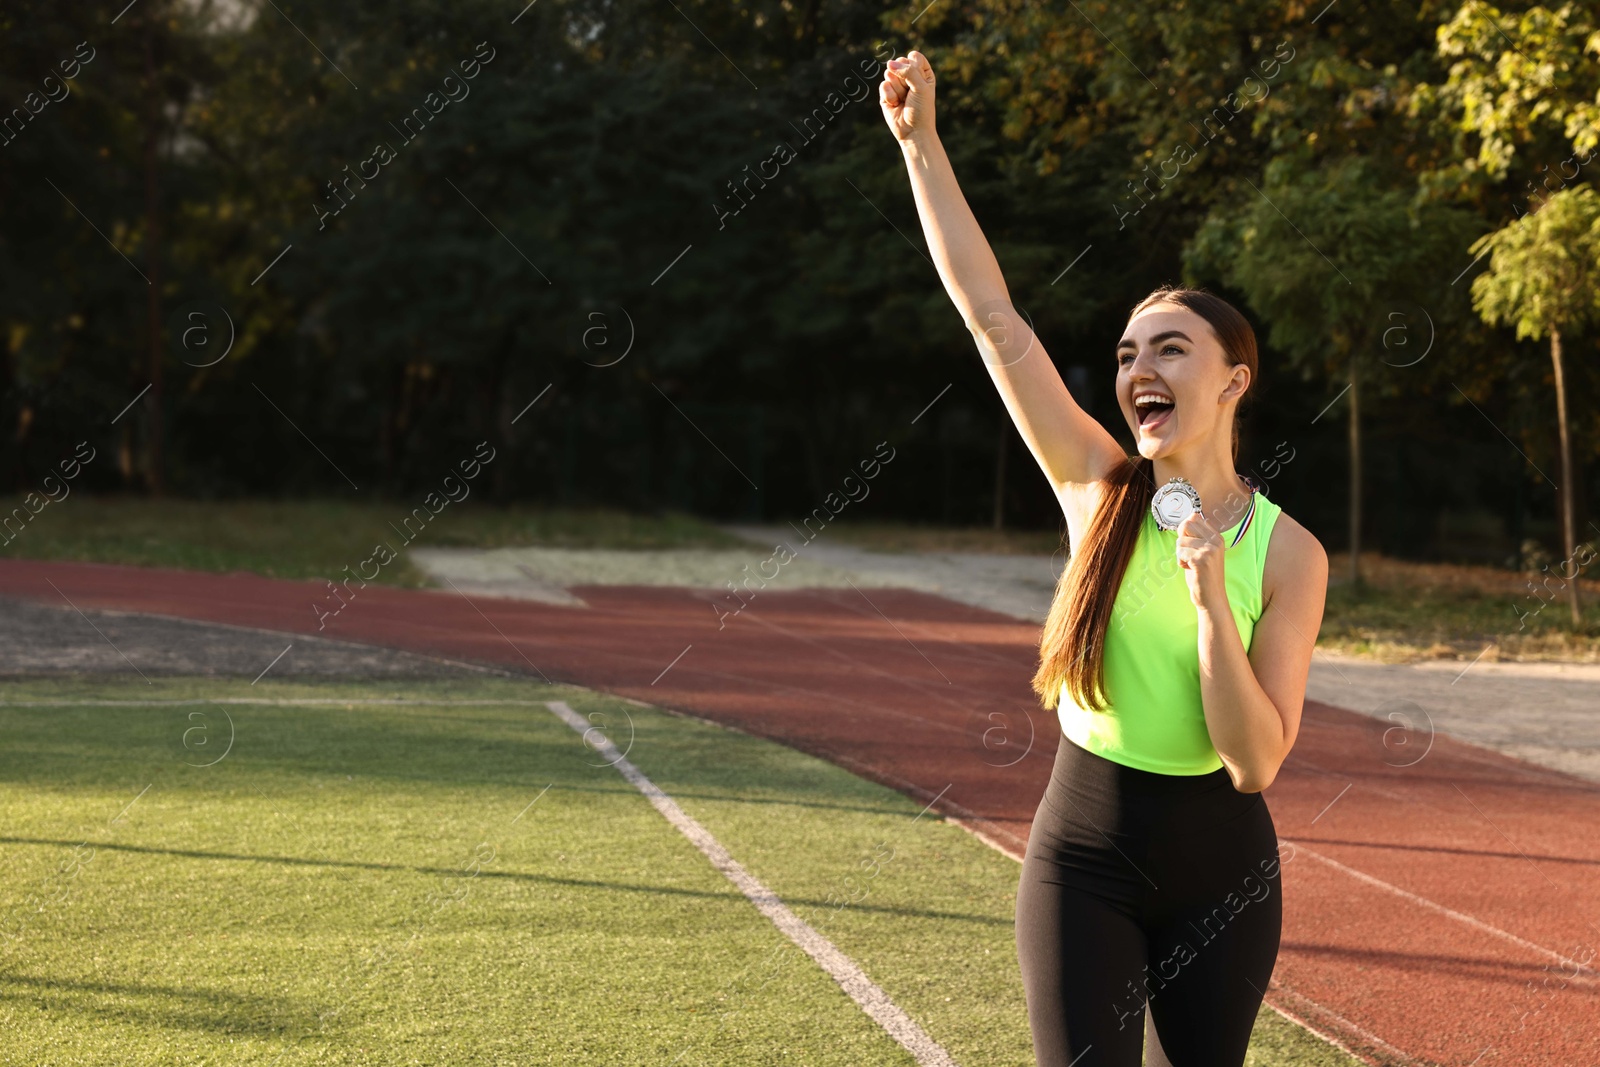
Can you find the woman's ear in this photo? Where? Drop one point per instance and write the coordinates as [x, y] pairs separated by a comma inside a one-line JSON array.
[[1238, 382]]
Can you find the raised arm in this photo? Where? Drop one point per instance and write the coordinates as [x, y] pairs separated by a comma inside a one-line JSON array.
[[1071, 448]]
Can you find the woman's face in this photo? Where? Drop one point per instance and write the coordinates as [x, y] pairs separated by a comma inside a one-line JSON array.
[[1174, 383]]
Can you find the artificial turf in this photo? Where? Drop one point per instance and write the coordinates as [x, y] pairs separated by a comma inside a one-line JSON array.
[[456, 880]]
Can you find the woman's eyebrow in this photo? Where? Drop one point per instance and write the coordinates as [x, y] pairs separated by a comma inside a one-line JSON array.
[[1167, 335]]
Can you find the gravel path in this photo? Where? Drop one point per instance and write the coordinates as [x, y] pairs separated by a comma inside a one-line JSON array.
[[39, 639], [1020, 586], [1016, 585], [1545, 713], [544, 573]]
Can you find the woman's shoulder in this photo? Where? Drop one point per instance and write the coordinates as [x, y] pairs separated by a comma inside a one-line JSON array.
[[1293, 554]]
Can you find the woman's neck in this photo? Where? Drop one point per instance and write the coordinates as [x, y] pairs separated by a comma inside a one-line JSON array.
[[1224, 496]]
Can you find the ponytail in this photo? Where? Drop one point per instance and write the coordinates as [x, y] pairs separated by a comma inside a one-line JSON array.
[[1072, 645]]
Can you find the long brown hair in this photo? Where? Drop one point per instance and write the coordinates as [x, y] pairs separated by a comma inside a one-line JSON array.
[[1072, 645]]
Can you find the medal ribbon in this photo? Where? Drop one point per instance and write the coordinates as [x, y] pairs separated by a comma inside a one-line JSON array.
[[1245, 525]]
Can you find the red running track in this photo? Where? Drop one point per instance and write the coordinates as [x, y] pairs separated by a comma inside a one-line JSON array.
[[1442, 905]]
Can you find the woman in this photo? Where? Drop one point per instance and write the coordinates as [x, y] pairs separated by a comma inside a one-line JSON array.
[[1176, 659]]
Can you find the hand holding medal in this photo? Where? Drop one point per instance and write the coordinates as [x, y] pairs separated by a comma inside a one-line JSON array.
[[1200, 552]]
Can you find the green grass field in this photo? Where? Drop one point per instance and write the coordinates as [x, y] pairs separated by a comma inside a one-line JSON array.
[[1407, 611], [463, 880], [313, 539]]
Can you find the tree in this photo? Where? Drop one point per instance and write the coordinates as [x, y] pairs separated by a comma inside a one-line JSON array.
[[1544, 278], [1323, 253], [1524, 85], [1519, 82]]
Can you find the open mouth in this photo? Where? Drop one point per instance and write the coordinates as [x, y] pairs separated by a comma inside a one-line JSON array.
[[1152, 410]]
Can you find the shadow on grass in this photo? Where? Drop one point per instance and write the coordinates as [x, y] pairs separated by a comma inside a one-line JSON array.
[[511, 876], [211, 1011]]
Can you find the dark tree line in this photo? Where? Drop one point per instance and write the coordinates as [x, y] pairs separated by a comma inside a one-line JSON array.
[[665, 255]]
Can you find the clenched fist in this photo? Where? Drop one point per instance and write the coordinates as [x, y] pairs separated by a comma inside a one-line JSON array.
[[1202, 555], [906, 96]]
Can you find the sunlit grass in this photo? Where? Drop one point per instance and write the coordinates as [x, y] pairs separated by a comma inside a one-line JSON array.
[[462, 879], [314, 539], [1405, 611]]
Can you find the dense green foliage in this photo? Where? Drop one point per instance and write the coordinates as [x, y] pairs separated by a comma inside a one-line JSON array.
[[415, 220]]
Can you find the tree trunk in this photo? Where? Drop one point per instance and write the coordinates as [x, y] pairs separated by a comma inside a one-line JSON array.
[[1569, 485], [125, 464], [1000, 471], [389, 428], [496, 398], [154, 466], [1355, 475], [808, 30], [945, 462], [18, 476], [500, 484]]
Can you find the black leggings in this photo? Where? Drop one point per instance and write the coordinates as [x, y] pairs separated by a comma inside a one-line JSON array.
[[1142, 886]]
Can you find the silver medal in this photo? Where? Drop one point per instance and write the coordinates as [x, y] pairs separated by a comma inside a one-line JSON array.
[[1173, 503]]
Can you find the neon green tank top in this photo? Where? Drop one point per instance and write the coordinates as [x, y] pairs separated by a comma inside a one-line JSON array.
[[1154, 718]]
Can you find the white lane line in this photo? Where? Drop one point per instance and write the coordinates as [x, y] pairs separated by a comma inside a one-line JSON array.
[[874, 1001], [1476, 924], [1007, 851], [1300, 999]]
